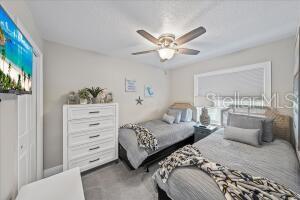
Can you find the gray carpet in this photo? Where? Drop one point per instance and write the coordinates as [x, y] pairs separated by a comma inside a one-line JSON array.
[[117, 182]]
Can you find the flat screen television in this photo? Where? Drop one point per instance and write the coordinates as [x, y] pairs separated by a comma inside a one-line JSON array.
[[16, 58]]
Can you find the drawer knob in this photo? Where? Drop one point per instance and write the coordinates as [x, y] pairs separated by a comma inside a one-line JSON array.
[[94, 112], [92, 149], [94, 136], [96, 124], [91, 161]]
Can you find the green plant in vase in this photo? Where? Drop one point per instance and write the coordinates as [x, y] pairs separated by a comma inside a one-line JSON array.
[[83, 96], [95, 91]]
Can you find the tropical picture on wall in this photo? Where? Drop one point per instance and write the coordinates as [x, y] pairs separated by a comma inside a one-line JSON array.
[[16, 58]]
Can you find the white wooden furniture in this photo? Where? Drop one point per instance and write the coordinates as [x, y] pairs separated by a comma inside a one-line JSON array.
[[90, 135], [64, 186]]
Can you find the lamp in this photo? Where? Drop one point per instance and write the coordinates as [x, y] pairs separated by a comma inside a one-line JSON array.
[[166, 53]]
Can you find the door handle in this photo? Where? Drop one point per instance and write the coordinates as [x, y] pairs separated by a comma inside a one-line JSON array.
[[94, 112], [96, 124], [91, 149], [94, 136], [91, 161]]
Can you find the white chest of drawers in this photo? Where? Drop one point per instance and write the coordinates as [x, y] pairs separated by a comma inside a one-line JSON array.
[[90, 135]]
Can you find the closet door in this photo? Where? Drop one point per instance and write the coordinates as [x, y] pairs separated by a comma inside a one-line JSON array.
[[26, 141]]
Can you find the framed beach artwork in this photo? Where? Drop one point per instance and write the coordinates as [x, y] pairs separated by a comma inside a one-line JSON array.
[[130, 85], [16, 58], [149, 91]]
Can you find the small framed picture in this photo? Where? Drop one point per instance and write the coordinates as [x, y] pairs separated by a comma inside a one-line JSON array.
[[130, 85], [149, 91]]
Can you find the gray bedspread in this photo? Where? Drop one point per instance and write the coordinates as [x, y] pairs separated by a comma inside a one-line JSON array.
[[276, 161], [166, 134]]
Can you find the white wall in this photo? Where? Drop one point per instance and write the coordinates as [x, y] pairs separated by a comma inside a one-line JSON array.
[[21, 10], [69, 69], [280, 53]]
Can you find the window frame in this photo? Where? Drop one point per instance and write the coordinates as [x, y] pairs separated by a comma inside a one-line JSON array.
[[266, 66]]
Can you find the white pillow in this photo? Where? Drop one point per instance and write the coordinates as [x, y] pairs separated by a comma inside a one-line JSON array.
[[176, 113], [186, 115], [168, 118]]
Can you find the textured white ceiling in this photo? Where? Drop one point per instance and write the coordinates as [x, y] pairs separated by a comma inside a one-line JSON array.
[[109, 27]]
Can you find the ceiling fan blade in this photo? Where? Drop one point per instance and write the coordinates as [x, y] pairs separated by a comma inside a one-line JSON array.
[[190, 35], [163, 60], [187, 51], [148, 36], [143, 52]]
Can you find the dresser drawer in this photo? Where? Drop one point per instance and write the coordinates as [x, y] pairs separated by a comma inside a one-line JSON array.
[[90, 148], [93, 160], [90, 112], [91, 124], [90, 136]]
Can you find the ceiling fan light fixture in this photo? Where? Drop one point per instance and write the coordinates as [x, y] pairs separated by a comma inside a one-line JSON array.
[[166, 53]]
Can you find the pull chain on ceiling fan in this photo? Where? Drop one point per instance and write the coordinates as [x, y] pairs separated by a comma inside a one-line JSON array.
[[168, 44]]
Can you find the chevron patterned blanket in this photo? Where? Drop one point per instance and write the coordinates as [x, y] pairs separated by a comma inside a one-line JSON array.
[[145, 138], [234, 184]]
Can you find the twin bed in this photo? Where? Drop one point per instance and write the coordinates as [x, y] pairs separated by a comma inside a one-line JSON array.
[[275, 160], [170, 137]]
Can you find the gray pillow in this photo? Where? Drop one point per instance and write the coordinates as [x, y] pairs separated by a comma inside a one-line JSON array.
[[246, 136], [267, 135], [168, 118], [267, 124], [176, 113], [246, 122], [186, 115]]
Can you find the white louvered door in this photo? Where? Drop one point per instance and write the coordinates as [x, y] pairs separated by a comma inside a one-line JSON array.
[[26, 141]]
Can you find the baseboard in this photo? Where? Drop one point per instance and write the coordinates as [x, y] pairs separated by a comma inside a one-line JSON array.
[[52, 171]]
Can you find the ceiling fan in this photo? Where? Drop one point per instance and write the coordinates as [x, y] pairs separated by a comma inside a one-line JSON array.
[[168, 45]]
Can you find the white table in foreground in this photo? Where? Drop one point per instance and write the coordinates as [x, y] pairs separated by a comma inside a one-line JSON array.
[[64, 186]]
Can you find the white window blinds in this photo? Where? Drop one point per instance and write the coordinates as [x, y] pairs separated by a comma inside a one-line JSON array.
[[251, 80]]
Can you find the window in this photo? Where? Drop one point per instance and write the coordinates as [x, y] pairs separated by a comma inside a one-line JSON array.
[[241, 87]]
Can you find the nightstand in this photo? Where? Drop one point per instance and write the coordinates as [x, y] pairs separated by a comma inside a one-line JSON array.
[[201, 132]]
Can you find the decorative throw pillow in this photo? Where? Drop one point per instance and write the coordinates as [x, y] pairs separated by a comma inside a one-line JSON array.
[[176, 113], [246, 122], [267, 135], [168, 118], [267, 124], [247, 136], [186, 115]]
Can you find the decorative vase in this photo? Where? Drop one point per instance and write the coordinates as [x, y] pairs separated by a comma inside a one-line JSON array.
[[204, 117], [94, 100], [83, 101], [109, 98], [72, 98]]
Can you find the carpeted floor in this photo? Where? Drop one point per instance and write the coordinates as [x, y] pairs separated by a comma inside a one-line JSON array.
[[117, 182]]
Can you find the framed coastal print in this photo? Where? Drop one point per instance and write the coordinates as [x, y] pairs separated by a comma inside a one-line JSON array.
[[149, 91], [130, 85]]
